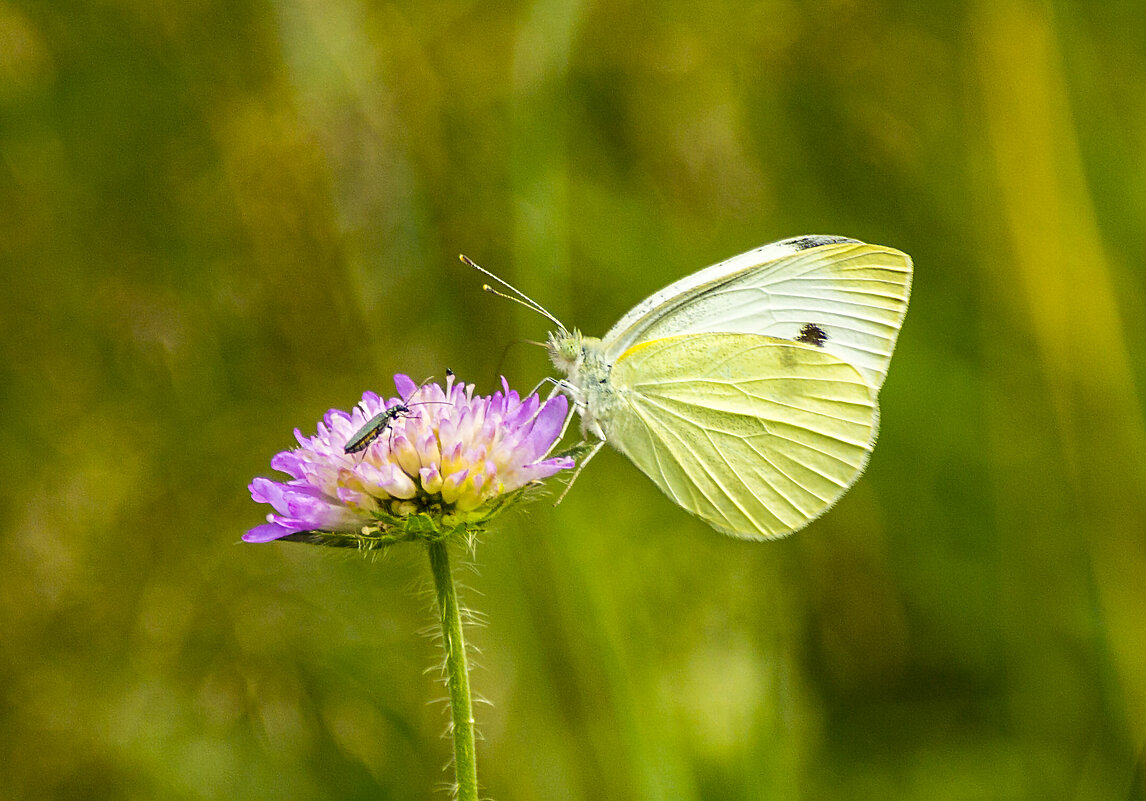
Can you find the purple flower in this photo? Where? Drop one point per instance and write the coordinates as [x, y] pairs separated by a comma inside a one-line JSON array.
[[440, 455]]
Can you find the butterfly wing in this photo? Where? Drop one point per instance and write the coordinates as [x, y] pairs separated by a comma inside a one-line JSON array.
[[855, 294], [755, 435]]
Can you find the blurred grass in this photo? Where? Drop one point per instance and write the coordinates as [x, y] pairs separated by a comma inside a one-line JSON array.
[[217, 220]]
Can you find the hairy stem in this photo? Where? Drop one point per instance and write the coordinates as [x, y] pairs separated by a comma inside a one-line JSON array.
[[457, 674]]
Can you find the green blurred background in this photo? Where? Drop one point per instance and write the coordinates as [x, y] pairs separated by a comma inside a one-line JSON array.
[[220, 219]]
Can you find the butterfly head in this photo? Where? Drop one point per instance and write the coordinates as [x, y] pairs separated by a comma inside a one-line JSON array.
[[565, 349]]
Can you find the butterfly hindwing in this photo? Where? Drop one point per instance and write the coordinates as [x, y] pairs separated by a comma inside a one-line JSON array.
[[757, 436]]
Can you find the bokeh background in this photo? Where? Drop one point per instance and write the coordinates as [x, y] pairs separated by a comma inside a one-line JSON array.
[[220, 219]]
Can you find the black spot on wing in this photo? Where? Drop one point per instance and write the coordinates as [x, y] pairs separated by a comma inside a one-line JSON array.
[[812, 334], [805, 242]]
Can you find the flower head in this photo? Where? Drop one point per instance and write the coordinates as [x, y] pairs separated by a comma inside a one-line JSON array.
[[427, 463]]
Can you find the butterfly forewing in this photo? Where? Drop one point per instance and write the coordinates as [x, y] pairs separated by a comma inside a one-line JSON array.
[[855, 293], [757, 436]]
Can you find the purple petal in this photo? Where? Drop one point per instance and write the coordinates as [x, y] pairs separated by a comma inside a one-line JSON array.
[[332, 417], [405, 385], [263, 490], [523, 412], [547, 425], [546, 468], [268, 532], [289, 462]]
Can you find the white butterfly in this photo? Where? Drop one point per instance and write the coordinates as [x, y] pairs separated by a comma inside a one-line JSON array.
[[747, 391]]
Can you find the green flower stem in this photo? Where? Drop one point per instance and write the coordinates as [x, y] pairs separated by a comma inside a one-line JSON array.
[[457, 673]]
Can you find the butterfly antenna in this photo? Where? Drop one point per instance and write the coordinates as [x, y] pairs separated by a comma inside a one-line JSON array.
[[520, 298]]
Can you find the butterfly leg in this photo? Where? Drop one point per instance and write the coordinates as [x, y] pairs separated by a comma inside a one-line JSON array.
[[564, 426], [567, 388], [580, 466], [547, 380]]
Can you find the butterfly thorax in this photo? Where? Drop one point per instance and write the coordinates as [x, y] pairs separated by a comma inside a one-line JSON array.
[[582, 359]]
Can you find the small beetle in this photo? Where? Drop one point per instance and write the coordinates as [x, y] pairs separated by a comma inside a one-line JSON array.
[[374, 428], [381, 421]]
